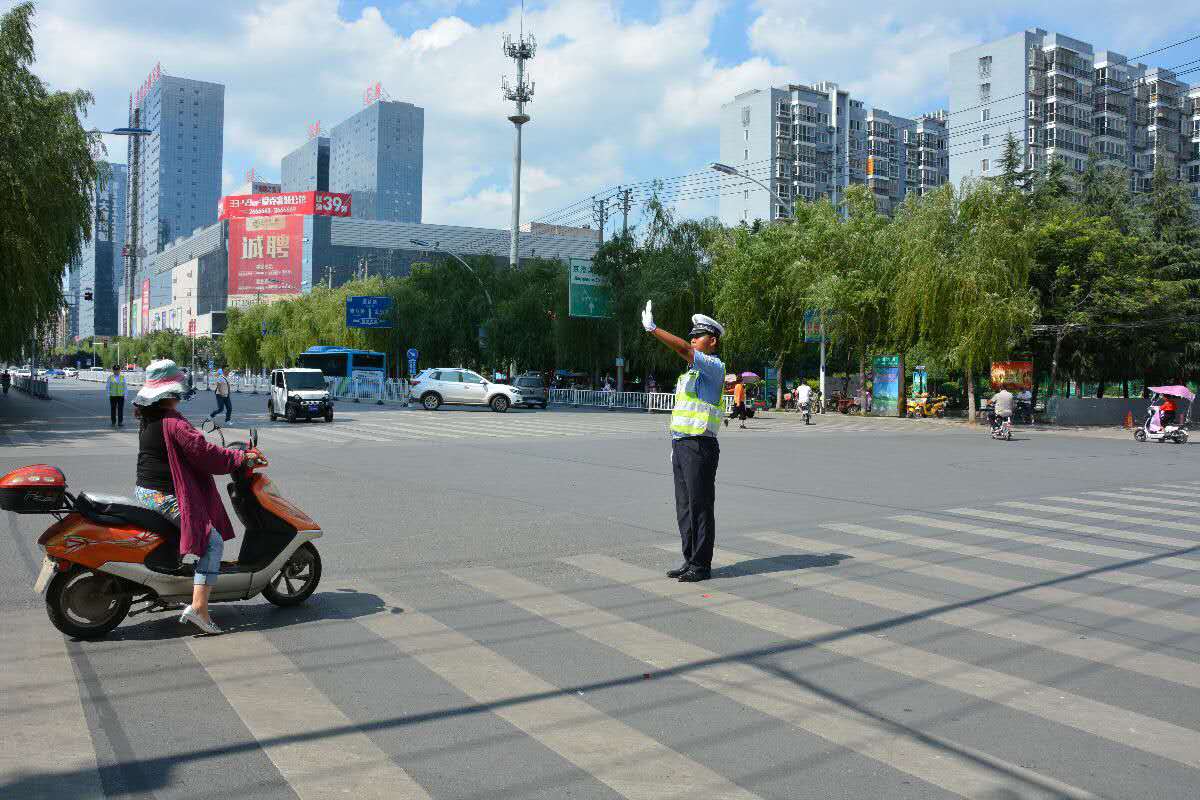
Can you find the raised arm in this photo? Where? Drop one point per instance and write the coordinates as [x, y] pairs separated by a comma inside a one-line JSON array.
[[666, 337]]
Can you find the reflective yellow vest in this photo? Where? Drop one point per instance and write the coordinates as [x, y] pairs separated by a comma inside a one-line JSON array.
[[692, 416], [116, 385]]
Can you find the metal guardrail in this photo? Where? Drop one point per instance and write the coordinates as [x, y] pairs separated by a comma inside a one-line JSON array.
[[34, 387], [632, 401]]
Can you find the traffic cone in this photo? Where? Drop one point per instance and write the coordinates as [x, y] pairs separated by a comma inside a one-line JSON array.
[[1128, 419]]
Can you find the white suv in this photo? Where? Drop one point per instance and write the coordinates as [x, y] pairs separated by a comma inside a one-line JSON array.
[[457, 386]]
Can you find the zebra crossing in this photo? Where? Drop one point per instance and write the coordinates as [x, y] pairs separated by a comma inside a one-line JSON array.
[[973, 652], [399, 427]]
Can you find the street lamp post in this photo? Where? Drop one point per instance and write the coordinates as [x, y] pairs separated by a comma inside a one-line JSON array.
[[725, 169], [438, 247]]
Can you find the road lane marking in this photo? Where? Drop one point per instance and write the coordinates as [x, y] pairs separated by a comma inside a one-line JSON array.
[[1133, 537], [1108, 516], [1116, 608], [1119, 725], [1130, 494], [1083, 501], [1120, 553], [52, 734], [1001, 626], [616, 754], [753, 687], [330, 757]]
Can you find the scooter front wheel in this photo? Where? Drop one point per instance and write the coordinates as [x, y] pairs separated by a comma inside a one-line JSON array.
[[298, 578], [1140, 434], [86, 604]]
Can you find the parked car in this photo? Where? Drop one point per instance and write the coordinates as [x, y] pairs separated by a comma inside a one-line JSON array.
[[533, 390], [71, 372], [433, 387], [54, 372], [297, 393]]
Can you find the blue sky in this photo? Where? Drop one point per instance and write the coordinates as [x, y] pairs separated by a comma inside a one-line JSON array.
[[626, 91]]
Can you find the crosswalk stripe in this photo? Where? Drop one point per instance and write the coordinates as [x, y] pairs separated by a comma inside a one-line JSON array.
[[1083, 501], [755, 688], [1119, 725], [52, 732], [620, 756], [1129, 494], [982, 580], [1133, 537], [319, 751], [1060, 544], [1192, 486], [1108, 516], [1168, 492], [1002, 626]]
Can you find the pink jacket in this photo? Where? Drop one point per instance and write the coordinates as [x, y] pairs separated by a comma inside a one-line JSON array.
[[193, 461]]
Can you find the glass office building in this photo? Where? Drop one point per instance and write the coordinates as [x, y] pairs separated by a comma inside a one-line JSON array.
[[101, 268], [377, 156]]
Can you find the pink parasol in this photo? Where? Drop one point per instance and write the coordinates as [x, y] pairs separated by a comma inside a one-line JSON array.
[[1175, 391]]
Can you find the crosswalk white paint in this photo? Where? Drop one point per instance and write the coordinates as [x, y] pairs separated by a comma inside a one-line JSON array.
[[42, 713], [623, 758], [1140, 495], [319, 751], [1129, 506], [1127, 519], [1002, 626], [755, 688], [1050, 594], [1134, 537], [1125, 727], [1089, 547]]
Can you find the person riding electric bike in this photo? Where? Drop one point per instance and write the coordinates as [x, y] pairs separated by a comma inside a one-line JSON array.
[[1000, 408], [175, 469]]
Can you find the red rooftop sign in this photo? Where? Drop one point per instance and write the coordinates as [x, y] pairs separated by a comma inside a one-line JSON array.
[[329, 204]]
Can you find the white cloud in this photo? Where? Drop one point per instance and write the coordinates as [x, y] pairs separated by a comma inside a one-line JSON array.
[[618, 99]]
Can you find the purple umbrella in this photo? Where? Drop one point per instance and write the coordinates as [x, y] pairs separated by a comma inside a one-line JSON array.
[[1175, 391]]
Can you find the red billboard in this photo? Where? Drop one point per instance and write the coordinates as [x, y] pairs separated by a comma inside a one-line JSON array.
[[265, 255], [238, 206], [1013, 375], [145, 305]]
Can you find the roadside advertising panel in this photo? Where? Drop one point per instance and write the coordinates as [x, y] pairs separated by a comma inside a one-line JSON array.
[[145, 306], [885, 396], [329, 204], [812, 326], [265, 257], [1012, 375]]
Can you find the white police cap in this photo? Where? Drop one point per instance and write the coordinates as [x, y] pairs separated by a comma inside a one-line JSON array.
[[702, 323]]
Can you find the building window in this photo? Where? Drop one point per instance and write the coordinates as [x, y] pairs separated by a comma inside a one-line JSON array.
[[983, 165], [985, 92], [745, 155], [745, 116], [985, 115], [746, 135], [986, 140], [985, 66]]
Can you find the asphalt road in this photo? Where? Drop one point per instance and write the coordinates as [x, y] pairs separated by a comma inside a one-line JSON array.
[[901, 609]]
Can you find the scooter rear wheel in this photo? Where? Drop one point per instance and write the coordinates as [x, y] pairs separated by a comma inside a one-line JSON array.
[[86, 604], [298, 578]]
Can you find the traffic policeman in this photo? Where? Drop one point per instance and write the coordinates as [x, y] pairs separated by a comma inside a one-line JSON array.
[[116, 396], [694, 450]]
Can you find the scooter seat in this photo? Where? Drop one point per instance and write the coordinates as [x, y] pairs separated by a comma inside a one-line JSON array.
[[114, 510]]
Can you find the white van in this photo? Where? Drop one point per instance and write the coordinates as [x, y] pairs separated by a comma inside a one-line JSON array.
[[299, 393]]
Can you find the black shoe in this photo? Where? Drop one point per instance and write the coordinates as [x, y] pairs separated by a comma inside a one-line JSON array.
[[682, 568], [694, 575], [726, 421]]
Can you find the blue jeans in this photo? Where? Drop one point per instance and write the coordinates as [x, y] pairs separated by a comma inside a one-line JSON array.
[[208, 568], [223, 403]]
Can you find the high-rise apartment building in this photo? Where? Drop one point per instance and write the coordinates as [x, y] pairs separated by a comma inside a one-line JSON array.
[[809, 142], [100, 271], [306, 169], [377, 156], [1062, 99], [1193, 123]]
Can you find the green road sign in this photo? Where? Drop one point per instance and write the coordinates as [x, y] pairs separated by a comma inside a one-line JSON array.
[[589, 294]]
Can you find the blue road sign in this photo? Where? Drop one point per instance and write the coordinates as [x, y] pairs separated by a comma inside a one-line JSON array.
[[264, 327], [210, 363], [412, 360], [368, 312]]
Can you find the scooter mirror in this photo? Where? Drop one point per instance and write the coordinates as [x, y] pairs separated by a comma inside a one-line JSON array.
[[209, 426]]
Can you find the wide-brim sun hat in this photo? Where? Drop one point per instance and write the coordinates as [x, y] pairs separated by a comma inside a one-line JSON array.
[[164, 378]]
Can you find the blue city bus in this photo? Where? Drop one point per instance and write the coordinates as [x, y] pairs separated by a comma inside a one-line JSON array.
[[344, 362]]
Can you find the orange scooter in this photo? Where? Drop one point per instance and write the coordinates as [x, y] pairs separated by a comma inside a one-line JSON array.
[[106, 554]]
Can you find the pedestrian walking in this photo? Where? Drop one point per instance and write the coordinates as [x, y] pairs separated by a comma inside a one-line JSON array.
[[739, 403], [116, 396], [694, 448], [5, 380], [224, 402]]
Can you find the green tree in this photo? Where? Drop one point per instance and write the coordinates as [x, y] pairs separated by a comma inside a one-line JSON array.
[[47, 173], [1013, 174]]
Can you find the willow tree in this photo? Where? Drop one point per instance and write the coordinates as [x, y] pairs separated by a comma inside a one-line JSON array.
[[962, 283], [47, 173]]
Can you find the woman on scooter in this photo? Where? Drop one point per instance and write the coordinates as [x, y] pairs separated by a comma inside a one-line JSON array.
[[175, 469]]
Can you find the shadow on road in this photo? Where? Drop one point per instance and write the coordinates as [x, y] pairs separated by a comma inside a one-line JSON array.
[[784, 563]]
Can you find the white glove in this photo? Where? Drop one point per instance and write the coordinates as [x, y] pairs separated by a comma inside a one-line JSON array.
[[648, 318]]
